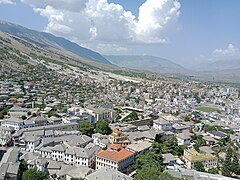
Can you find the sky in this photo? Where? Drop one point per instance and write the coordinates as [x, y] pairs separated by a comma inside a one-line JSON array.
[[188, 32]]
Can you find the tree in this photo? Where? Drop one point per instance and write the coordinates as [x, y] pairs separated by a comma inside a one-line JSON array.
[[167, 176], [24, 117], [131, 117], [213, 171], [23, 165], [226, 168], [208, 128], [149, 159], [1, 116], [186, 118], [34, 174], [152, 173], [102, 127], [199, 141], [147, 173], [86, 128], [167, 146], [235, 164], [199, 166]]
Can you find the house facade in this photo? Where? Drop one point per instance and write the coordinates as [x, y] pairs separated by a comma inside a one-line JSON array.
[[191, 157], [115, 157]]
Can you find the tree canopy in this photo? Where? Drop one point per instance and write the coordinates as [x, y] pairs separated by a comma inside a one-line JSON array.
[[34, 174], [227, 165], [86, 128], [102, 127], [199, 166]]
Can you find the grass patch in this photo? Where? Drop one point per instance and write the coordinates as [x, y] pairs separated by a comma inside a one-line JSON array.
[[207, 109]]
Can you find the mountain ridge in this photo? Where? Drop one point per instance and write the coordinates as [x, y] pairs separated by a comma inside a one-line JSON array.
[[47, 40], [146, 62]]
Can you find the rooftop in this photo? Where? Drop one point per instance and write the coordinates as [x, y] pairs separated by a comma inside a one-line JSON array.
[[115, 153]]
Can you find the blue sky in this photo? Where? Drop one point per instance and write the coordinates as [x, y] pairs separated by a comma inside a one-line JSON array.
[[204, 30]]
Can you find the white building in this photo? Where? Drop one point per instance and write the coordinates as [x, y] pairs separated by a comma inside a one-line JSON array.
[[30, 142], [17, 111], [115, 157], [183, 139], [162, 124], [76, 156], [101, 112], [100, 140], [14, 123]]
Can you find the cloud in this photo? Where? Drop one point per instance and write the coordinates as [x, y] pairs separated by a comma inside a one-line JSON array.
[[6, 2], [55, 18], [111, 48], [71, 5], [154, 18], [230, 51], [99, 20]]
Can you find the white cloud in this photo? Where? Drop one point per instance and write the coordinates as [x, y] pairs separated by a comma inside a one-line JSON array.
[[102, 21], [154, 18], [71, 5], [111, 48], [6, 2], [230, 51], [55, 18]]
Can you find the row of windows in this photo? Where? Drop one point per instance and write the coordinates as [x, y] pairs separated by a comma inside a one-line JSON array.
[[105, 165], [106, 160]]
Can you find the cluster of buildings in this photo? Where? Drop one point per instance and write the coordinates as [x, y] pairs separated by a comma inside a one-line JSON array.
[[39, 123]]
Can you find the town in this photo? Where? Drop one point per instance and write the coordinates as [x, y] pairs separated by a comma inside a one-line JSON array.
[[68, 123]]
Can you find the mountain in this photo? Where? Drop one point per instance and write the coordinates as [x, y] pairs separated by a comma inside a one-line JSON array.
[[145, 62], [218, 65], [227, 76], [49, 41]]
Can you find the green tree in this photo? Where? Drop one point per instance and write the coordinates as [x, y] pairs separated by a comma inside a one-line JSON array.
[[235, 164], [34, 174], [208, 128], [152, 173], [149, 159], [199, 166], [199, 141], [148, 173], [226, 168], [186, 118], [167, 176], [102, 127], [133, 116], [1, 116], [23, 165], [86, 128], [213, 171]]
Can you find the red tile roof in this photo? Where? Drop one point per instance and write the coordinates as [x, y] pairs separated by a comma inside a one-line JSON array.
[[115, 153]]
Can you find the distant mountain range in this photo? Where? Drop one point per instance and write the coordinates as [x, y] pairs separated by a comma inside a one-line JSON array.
[[145, 62], [66, 51], [49, 41], [218, 65]]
